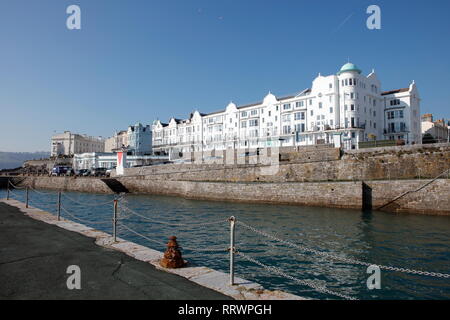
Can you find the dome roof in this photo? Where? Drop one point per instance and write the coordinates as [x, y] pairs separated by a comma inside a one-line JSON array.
[[349, 67]]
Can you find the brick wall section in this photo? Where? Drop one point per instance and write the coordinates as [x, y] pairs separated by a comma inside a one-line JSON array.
[[325, 194], [91, 185], [433, 199]]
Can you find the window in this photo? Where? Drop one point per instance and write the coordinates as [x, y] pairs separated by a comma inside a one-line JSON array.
[[286, 129], [244, 124], [253, 123], [352, 107], [286, 117], [270, 113], [286, 106], [300, 127], [331, 109], [331, 86], [320, 105], [299, 104], [243, 113], [253, 112], [395, 102], [310, 102], [312, 112]]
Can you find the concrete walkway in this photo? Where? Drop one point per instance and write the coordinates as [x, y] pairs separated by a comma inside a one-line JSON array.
[[34, 257]]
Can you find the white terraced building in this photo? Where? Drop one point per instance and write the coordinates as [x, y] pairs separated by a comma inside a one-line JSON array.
[[342, 109]]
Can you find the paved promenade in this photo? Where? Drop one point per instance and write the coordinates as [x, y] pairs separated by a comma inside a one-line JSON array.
[[34, 257]]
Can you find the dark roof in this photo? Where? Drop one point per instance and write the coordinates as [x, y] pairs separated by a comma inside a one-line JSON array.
[[394, 91], [249, 105]]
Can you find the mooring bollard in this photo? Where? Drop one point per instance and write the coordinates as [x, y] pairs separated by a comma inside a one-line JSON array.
[[232, 249], [172, 256], [115, 220], [59, 205], [26, 202]]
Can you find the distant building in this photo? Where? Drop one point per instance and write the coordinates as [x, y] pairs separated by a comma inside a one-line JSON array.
[[69, 143], [117, 142], [343, 109], [139, 139], [109, 160], [439, 130]]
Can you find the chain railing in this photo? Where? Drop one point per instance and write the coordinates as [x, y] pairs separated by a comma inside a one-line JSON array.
[[122, 214], [339, 258]]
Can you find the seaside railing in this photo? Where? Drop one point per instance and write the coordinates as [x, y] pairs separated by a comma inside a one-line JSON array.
[[122, 214]]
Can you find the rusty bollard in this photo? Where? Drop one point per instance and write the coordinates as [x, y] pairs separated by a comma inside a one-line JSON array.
[[172, 257]]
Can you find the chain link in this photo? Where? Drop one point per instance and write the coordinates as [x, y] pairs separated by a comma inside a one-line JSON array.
[[200, 225], [90, 205], [42, 192], [82, 220], [335, 257], [14, 186], [141, 235], [307, 283], [165, 244]]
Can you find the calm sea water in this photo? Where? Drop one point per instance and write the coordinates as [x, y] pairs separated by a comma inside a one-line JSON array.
[[408, 241]]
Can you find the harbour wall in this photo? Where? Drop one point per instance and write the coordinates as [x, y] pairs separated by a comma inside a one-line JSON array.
[[313, 165], [424, 196]]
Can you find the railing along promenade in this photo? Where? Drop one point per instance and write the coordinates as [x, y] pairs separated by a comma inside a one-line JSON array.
[[121, 214]]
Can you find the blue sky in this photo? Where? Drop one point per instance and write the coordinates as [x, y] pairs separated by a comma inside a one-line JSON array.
[[143, 60]]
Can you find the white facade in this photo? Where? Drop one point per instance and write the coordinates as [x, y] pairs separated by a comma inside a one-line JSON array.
[[109, 160], [68, 144], [342, 109], [402, 115], [439, 130], [116, 142]]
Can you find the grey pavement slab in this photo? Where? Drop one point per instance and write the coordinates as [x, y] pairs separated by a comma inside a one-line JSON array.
[[34, 257]]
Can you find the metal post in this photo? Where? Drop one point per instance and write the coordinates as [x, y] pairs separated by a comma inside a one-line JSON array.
[[7, 192], [115, 220], [26, 203], [232, 249], [59, 205]]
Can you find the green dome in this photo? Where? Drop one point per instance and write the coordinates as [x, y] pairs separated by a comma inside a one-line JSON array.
[[349, 67]]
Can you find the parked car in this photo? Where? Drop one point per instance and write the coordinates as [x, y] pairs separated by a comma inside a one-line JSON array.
[[83, 172], [60, 170], [98, 172]]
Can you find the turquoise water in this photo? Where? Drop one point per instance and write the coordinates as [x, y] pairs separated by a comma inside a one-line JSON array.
[[408, 241]]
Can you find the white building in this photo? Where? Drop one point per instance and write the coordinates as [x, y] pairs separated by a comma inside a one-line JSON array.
[[68, 144], [437, 129], [342, 109], [117, 142], [109, 160]]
